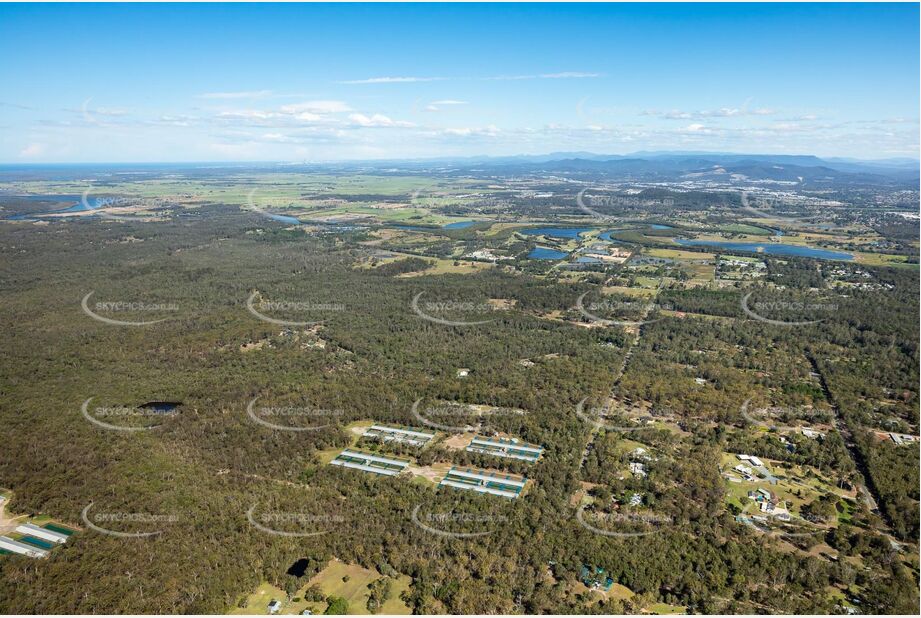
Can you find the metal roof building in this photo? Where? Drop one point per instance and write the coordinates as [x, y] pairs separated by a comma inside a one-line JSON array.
[[42, 533], [505, 447], [406, 435], [359, 460], [15, 547], [484, 481]]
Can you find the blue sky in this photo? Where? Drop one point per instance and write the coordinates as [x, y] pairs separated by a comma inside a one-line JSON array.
[[132, 83]]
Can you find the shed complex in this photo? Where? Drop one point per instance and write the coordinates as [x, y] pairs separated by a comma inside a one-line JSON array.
[[506, 447], [360, 460], [485, 481]]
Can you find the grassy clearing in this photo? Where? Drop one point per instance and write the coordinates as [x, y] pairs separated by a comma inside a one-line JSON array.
[[634, 292], [797, 485], [354, 591], [662, 609], [677, 254]]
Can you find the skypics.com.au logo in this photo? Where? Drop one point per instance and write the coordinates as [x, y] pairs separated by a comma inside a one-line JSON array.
[[472, 417], [589, 204], [253, 206], [595, 416], [453, 312], [125, 307], [115, 207], [258, 307], [282, 416], [456, 524], [758, 310], [124, 418], [622, 524], [124, 519], [293, 524], [613, 308]]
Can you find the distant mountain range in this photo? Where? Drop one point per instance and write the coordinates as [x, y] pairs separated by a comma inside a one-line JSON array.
[[807, 170]]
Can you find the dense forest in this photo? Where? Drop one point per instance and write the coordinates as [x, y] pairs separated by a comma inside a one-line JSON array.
[[367, 355]]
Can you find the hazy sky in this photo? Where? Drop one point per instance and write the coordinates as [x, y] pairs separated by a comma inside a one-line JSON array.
[[132, 83]]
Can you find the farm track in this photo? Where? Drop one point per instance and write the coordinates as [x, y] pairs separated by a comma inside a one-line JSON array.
[[618, 375], [866, 488]]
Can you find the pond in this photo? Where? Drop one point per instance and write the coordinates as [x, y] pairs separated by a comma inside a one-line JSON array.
[[546, 253], [299, 568], [283, 218], [161, 407]]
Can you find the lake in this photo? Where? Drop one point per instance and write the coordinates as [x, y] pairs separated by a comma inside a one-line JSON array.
[[545, 253], [457, 225], [607, 235], [769, 248], [557, 232], [79, 205], [283, 218], [76, 207]]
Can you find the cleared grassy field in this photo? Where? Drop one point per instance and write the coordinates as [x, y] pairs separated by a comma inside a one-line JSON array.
[[677, 254], [354, 591], [635, 292], [662, 609], [796, 485]]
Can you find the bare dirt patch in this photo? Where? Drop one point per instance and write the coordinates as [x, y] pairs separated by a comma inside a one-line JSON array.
[[458, 441], [433, 473]]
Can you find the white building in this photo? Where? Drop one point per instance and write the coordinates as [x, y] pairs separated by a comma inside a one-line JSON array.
[[24, 549], [359, 460], [398, 434], [42, 533], [638, 469]]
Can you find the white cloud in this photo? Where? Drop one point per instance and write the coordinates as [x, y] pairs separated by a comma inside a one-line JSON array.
[[248, 114], [110, 111], [723, 112], [304, 112], [436, 106], [316, 107], [488, 131], [32, 150], [180, 120], [376, 120]]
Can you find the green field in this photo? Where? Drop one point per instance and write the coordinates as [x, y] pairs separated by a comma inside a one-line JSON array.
[[330, 580]]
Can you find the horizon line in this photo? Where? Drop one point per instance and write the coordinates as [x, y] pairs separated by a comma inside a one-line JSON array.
[[638, 154]]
